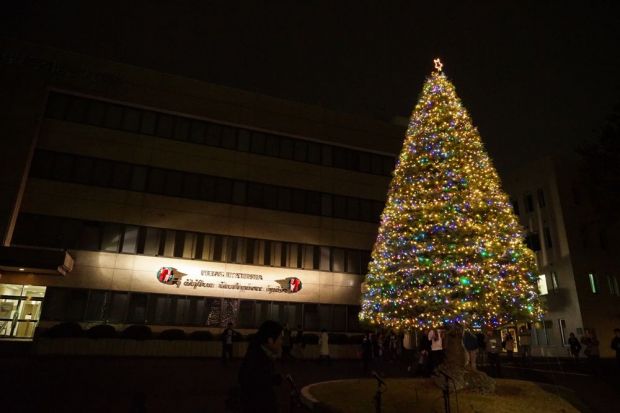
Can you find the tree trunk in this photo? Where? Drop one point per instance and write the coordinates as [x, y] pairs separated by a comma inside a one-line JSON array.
[[453, 373]]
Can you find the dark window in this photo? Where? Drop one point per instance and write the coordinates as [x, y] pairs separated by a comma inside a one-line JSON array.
[[272, 145], [97, 303], [388, 165], [63, 167], [102, 173], [191, 186], [149, 121], [229, 137], [238, 195], [284, 199], [56, 106], [152, 241], [137, 308], [515, 206], [131, 120], [179, 244], [121, 177], [353, 261], [42, 164], [313, 203], [138, 178], [90, 236], [337, 260], [130, 239], [245, 318], [198, 131], [118, 307], [164, 126], [326, 205], [223, 190], [83, 170], [314, 153], [301, 151], [299, 200], [325, 316], [339, 318], [327, 155], [353, 323], [353, 208], [156, 180], [258, 143], [111, 237], [70, 233], [376, 164], [311, 317], [324, 263], [213, 135], [174, 183], [255, 195], [243, 140], [364, 162], [340, 206], [95, 113], [207, 188], [181, 129], [113, 117], [77, 110], [287, 148], [529, 202], [532, 240]]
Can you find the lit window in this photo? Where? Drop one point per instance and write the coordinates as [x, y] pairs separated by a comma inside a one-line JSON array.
[[542, 284], [593, 283], [554, 280]]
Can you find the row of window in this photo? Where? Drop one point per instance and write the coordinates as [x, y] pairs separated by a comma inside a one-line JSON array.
[[148, 122], [528, 201], [69, 233], [70, 304], [612, 284], [532, 240], [120, 175]]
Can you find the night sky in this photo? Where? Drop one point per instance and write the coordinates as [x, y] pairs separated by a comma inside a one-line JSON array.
[[537, 78]]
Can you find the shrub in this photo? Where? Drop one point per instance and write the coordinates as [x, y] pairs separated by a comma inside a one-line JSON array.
[[101, 331], [201, 335], [137, 332], [68, 329], [172, 334]]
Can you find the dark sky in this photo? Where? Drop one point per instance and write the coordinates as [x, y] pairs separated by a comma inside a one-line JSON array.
[[537, 78]]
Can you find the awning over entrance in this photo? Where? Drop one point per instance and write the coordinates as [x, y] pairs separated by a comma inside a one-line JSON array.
[[35, 260]]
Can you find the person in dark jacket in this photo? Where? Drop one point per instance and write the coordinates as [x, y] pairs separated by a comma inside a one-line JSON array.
[[575, 347], [615, 345], [470, 342], [257, 375]]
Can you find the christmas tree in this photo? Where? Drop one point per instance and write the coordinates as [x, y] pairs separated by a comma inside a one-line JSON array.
[[449, 249]]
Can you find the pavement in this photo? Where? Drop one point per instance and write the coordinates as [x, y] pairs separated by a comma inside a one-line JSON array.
[[114, 384]]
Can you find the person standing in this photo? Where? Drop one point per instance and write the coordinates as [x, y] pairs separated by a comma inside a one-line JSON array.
[[525, 342], [591, 350], [257, 375], [615, 345], [574, 346], [436, 356], [366, 352], [228, 336], [324, 347], [493, 347], [470, 342], [509, 345]]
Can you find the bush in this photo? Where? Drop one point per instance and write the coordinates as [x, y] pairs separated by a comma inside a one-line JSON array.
[[137, 332], [69, 329], [201, 335], [172, 334], [338, 338], [101, 331]]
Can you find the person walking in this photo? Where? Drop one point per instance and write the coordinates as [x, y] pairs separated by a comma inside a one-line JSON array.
[[257, 375], [228, 336], [509, 345], [525, 342], [493, 347], [324, 347], [574, 346], [615, 345], [470, 342]]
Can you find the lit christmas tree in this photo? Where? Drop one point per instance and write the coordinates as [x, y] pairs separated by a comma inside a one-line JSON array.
[[449, 249]]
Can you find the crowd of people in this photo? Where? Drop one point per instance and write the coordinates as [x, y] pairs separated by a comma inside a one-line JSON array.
[[257, 374]]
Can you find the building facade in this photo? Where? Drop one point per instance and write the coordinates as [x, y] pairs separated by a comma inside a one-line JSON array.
[[181, 203], [576, 254]]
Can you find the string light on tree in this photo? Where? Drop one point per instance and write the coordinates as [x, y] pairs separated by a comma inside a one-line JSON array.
[[449, 249]]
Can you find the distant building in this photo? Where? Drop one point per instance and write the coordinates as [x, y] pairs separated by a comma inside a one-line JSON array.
[[180, 203], [577, 254]]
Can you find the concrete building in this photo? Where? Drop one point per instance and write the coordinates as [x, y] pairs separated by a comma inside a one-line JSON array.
[[133, 196], [576, 252]]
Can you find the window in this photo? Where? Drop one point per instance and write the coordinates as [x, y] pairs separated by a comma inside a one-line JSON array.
[[353, 322], [130, 239], [96, 307], [311, 317], [164, 126], [131, 120], [168, 243], [353, 261], [339, 318], [137, 308], [540, 195], [612, 281], [324, 259], [90, 236], [111, 237], [532, 240], [121, 175], [258, 143], [515, 206], [118, 307], [562, 325], [542, 285], [56, 106], [197, 131], [554, 281], [149, 120], [152, 241], [593, 283], [181, 129], [77, 110], [138, 178], [337, 260]]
